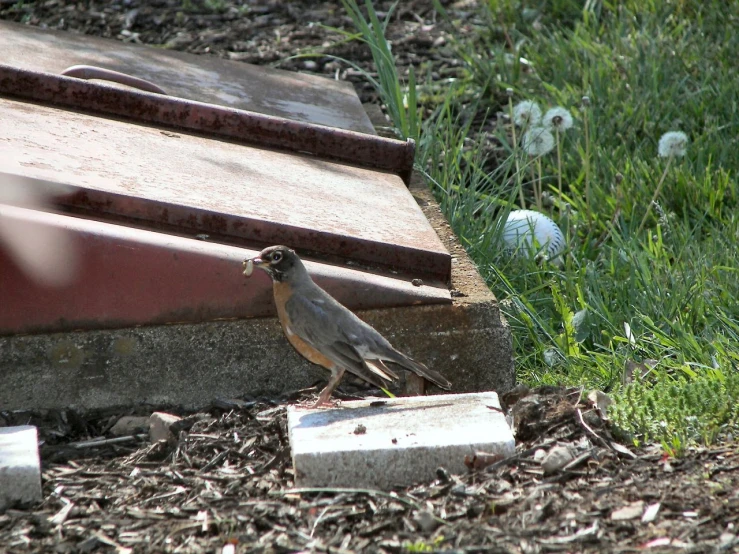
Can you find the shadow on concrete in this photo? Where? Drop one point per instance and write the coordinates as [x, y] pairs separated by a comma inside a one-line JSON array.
[[336, 415]]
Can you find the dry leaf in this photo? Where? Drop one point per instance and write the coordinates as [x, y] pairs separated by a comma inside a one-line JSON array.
[[650, 514], [630, 511]]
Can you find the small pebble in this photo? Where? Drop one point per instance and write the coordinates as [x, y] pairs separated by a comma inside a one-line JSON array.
[[443, 475], [425, 521], [459, 490], [557, 458]]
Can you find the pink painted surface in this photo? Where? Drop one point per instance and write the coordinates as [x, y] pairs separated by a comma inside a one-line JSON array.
[[127, 276]]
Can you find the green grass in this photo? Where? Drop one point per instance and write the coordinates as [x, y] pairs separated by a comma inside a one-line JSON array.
[[648, 67]]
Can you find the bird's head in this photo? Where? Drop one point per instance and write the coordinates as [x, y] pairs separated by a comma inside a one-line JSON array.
[[280, 262]]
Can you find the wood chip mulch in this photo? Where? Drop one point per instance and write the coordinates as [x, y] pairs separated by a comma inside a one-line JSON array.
[[225, 484]]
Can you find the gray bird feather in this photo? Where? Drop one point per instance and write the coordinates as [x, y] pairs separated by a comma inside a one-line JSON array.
[[319, 320]]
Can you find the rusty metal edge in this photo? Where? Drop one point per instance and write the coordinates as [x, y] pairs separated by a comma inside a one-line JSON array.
[[241, 231], [164, 216], [232, 124]]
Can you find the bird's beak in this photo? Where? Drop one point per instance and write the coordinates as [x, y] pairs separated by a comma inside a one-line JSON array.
[[257, 261]]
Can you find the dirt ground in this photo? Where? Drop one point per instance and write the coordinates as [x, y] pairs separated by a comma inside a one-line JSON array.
[[224, 480]]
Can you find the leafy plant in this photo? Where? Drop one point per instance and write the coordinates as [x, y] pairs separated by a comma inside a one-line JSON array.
[[400, 102]]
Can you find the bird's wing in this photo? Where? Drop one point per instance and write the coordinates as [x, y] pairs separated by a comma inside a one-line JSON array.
[[376, 351], [336, 331], [316, 320], [418, 368]]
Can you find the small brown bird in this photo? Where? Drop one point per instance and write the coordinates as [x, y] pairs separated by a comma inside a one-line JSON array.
[[325, 332]]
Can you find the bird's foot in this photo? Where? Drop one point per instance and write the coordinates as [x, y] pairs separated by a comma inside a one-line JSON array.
[[325, 403]]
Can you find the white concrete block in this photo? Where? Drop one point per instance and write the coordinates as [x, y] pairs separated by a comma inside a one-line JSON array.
[[20, 467], [397, 443]]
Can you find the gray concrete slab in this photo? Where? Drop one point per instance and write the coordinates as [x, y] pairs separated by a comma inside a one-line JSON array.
[[20, 467], [394, 442], [190, 365]]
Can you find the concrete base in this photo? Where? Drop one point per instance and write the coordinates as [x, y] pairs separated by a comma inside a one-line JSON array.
[[190, 365], [20, 468], [397, 443]]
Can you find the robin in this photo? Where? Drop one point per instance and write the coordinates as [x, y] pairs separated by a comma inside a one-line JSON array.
[[325, 332]]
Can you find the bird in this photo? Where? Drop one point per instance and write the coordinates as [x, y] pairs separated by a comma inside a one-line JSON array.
[[327, 333]]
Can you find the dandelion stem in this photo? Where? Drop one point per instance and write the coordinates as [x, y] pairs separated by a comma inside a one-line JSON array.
[[533, 182], [655, 195], [539, 203], [559, 162], [515, 155], [586, 126]]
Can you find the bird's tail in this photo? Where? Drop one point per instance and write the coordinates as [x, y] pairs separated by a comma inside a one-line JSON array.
[[419, 369]]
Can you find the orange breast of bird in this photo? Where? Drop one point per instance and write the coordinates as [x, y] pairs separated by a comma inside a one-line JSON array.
[[283, 291]]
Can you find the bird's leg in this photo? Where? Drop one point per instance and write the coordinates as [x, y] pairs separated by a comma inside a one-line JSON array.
[[323, 398]]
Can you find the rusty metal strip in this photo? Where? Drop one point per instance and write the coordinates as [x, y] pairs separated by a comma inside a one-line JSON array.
[[170, 217], [221, 122]]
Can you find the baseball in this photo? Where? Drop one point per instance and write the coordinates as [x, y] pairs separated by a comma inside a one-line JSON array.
[[523, 225]]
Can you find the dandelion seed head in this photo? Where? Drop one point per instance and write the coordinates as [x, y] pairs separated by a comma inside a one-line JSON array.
[[586, 101], [559, 119], [538, 141], [551, 357], [509, 92], [673, 143], [526, 113]]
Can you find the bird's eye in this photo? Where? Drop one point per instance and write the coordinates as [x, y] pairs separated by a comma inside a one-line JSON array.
[[276, 257]]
